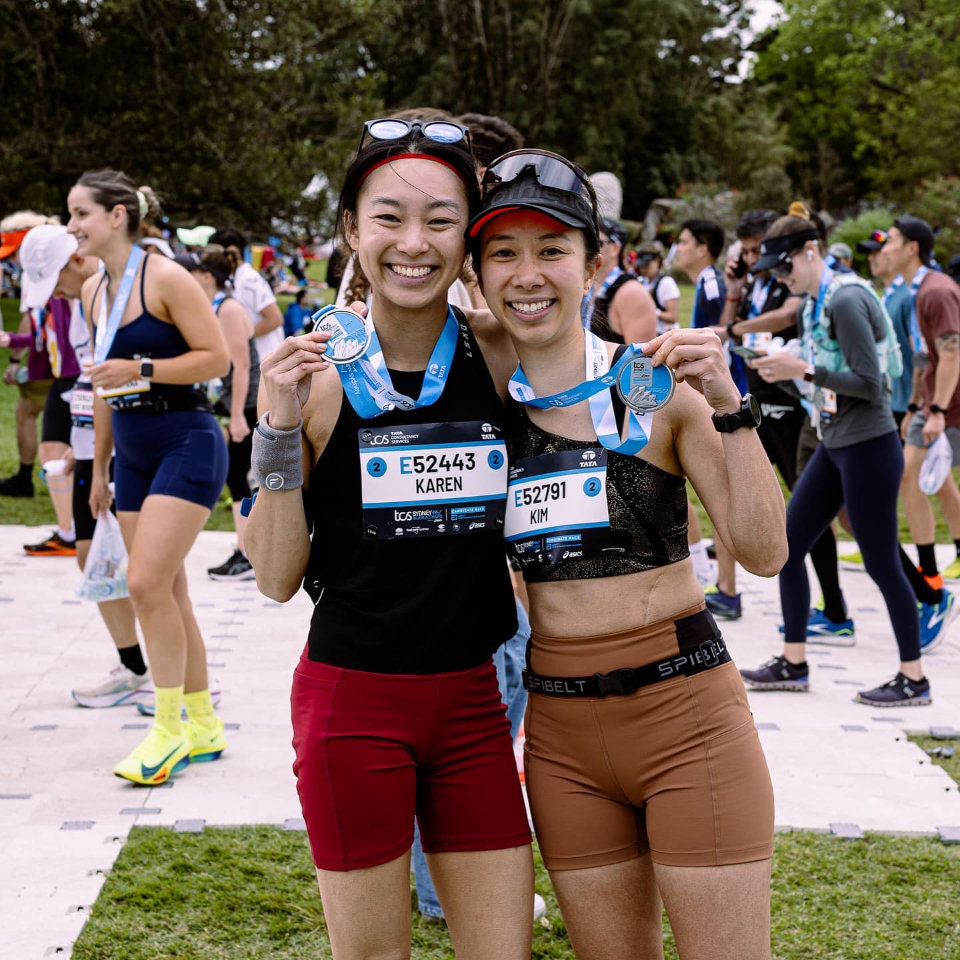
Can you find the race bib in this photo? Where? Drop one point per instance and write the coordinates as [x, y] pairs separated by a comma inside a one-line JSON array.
[[81, 406], [557, 507], [134, 386], [432, 479]]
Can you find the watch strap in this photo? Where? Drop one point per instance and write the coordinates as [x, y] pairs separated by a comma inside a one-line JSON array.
[[746, 416]]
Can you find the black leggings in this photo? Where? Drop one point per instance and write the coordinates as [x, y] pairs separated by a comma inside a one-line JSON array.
[[781, 439], [240, 459], [866, 477]]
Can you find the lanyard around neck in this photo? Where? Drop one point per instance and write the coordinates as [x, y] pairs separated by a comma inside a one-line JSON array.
[[916, 338], [595, 388], [370, 390], [107, 327], [825, 279]]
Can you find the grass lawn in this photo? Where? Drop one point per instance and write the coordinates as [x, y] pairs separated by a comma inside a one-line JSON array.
[[249, 893]]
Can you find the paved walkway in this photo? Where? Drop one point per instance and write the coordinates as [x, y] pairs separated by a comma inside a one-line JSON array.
[[64, 817]]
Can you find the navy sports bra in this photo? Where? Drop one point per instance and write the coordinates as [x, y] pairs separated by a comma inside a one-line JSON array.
[[647, 509], [150, 337]]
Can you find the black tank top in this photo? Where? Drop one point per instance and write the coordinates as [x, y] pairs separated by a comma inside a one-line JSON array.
[[600, 318], [253, 388], [647, 508], [408, 605]]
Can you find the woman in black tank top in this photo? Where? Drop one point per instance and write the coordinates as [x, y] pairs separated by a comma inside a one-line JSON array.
[[406, 568], [630, 788]]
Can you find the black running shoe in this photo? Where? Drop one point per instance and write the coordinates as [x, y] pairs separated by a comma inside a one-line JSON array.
[[778, 674], [16, 486], [901, 691], [237, 567]]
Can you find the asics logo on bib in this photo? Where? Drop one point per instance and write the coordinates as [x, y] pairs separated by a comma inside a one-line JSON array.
[[572, 554]]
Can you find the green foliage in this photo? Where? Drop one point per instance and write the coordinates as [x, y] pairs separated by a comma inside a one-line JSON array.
[[249, 893], [855, 229], [938, 201], [870, 94]]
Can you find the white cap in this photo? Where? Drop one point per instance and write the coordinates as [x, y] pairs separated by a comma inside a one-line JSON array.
[[45, 251]]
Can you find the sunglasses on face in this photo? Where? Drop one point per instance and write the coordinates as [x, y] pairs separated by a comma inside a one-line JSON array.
[[443, 131], [784, 268]]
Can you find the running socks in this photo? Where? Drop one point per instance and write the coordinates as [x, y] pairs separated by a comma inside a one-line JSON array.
[[168, 709], [200, 708], [67, 536], [928, 561], [921, 588], [132, 659]]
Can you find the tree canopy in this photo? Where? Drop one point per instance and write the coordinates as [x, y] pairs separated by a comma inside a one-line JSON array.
[[228, 107]]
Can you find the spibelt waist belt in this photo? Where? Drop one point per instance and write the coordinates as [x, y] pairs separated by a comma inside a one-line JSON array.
[[627, 680]]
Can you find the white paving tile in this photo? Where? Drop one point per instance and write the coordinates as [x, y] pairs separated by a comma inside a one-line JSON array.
[[823, 774]]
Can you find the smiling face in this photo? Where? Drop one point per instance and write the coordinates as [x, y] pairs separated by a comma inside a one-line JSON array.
[[408, 231], [805, 268], [534, 272], [750, 250], [95, 227]]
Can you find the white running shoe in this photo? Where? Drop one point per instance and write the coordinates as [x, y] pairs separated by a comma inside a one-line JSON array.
[[121, 686]]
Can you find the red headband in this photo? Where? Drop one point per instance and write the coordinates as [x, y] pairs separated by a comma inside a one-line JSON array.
[[413, 156]]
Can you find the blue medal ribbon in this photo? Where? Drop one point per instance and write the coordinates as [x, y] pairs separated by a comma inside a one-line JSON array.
[[367, 384], [758, 302], [107, 328], [916, 338], [595, 389]]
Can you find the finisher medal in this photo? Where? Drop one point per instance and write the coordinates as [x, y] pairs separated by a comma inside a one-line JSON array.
[[349, 336], [644, 387]]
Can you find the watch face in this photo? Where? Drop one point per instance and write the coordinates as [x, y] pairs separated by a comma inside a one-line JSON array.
[[751, 401]]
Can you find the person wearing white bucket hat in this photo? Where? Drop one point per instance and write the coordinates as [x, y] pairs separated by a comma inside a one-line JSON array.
[[53, 267], [45, 250]]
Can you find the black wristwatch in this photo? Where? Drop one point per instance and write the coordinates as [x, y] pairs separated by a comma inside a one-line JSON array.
[[913, 407], [747, 416], [146, 368], [934, 408]]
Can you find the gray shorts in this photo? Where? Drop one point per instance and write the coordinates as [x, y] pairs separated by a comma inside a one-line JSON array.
[[915, 436]]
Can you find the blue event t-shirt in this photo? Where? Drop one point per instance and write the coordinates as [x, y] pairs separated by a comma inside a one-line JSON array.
[[898, 306], [711, 292]]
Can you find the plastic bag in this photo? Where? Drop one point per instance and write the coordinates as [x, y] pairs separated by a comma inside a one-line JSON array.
[[105, 572], [936, 465]]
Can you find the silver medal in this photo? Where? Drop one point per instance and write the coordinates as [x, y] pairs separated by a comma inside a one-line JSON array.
[[644, 387], [349, 336]]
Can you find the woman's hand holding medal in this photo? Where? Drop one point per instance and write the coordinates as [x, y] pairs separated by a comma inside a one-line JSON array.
[[286, 373], [696, 356]]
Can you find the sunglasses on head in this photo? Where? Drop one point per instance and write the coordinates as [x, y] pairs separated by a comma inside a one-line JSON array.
[[550, 170], [879, 236], [442, 131]]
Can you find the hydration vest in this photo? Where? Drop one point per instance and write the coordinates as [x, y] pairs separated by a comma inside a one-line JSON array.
[[826, 350]]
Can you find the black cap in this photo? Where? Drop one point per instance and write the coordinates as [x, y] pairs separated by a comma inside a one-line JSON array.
[[953, 267], [525, 193], [869, 246], [913, 228], [775, 249], [189, 261], [614, 229]]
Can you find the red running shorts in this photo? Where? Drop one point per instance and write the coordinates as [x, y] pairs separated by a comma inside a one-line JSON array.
[[373, 750]]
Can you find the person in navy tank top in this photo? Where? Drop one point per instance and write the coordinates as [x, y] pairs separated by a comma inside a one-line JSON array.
[[155, 336], [397, 463]]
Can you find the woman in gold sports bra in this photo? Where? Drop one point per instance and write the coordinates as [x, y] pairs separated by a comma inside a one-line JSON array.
[[645, 774]]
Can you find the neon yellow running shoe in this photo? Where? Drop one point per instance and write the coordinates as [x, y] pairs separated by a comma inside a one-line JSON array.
[[953, 571], [852, 561], [205, 744], [156, 759]]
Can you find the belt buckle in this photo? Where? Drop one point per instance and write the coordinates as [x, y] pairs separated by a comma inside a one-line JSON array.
[[620, 681]]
